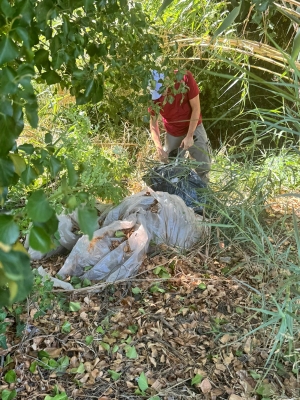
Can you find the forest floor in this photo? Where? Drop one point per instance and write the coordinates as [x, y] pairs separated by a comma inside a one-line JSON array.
[[181, 329]]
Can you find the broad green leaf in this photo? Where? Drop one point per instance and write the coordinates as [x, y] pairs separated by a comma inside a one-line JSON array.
[[115, 375], [29, 175], [10, 376], [33, 366], [41, 59], [79, 370], [100, 330], [89, 340], [48, 138], [66, 327], [202, 286], [115, 348], [136, 290], [38, 207], [8, 50], [87, 218], [131, 352], [51, 77], [143, 382], [119, 234], [72, 175], [63, 364], [55, 166], [3, 343], [164, 5], [8, 394], [228, 21], [105, 346], [73, 306], [32, 114], [16, 268], [296, 46], [27, 148], [39, 239], [7, 171], [197, 379], [43, 354], [19, 163], [9, 230]]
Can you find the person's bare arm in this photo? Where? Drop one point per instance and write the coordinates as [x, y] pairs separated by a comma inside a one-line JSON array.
[[155, 134], [188, 141]]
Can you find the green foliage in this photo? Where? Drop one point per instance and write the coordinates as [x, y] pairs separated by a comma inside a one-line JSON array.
[[83, 47]]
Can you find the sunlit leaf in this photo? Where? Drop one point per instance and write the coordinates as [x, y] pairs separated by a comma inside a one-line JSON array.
[[228, 21], [38, 207], [143, 382], [9, 230]]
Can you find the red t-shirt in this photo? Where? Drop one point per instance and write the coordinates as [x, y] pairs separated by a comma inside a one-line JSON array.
[[176, 116]]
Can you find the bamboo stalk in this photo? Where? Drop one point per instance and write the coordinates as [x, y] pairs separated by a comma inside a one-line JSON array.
[[261, 51]]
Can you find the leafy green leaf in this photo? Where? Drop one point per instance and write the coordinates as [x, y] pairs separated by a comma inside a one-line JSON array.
[[66, 327], [115, 348], [79, 370], [3, 343], [105, 346], [87, 218], [9, 230], [8, 394], [27, 148], [164, 5], [38, 207], [10, 376], [8, 50], [197, 379], [7, 171], [143, 382], [228, 21], [51, 77], [89, 340], [202, 286], [39, 239], [136, 290], [29, 175], [119, 234], [100, 330], [72, 175], [115, 376], [74, 306], [131, 352], [55, 166], [33, 366], [19, 163]]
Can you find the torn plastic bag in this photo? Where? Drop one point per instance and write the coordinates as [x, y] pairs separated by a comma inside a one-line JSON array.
[[156, 216], [181, 180], [67, 238]]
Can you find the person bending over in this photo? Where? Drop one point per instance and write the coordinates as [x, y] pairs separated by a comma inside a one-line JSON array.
[[181, 115]]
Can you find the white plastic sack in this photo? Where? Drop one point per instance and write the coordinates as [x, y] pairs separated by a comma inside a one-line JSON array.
[[67, 237], [157, 216]]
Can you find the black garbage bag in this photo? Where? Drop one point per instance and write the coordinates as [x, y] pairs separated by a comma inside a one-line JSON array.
[[180, 180]]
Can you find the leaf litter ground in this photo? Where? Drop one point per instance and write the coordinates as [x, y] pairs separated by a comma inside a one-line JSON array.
[[178, 330]]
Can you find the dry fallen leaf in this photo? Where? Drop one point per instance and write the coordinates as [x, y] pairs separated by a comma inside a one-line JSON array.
[[247, 346], [53, 351], [235, 397], [205, 386]]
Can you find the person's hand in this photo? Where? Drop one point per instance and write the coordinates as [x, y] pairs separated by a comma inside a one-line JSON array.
[[162, 155], [187, 142]]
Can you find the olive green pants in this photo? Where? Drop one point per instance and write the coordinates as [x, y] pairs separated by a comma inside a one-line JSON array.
[[200, 151]]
